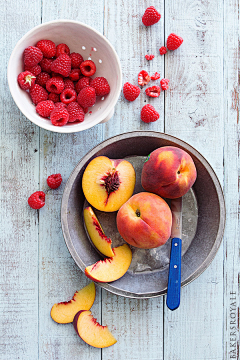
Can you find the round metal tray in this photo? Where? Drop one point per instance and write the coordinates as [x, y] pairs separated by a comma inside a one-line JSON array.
[[203, 218]]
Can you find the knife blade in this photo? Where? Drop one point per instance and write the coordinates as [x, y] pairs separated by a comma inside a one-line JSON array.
[[174, 275]]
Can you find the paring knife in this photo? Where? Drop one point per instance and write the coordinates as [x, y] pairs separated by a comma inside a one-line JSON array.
[[174, 275]]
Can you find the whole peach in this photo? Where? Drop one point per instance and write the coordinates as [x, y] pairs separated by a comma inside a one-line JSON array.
[[168, 172]]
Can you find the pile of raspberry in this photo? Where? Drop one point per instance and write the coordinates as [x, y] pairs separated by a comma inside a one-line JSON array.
[[60, 83]]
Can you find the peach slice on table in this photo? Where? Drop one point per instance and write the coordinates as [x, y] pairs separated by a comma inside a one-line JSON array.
[[111, 269], [90, 331], [96, 233], [64, 312], [107, 183]]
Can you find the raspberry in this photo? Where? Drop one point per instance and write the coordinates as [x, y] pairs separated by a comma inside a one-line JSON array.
[[60, 104], [143, 78], [149, 114], [54, 181], [151, 16], [149, 57], [75, 74], [32, 56], [130, 92], [68, 84], [101, 86], [59, 116], [62, 65], [46, 65], [76, 112], [156, 76], [82, 83], [38, 93], [85, 110], [62, 49], [37, 200], [26, 80], [163, 50], [88, 68], [54, 97], [76, 60], [174, 41], [87, 97], [164, 84], [153, 91], [47, 47], [55, 85], [44, 108], [42, 79], [68, 96], [35, 70], [55, 74]]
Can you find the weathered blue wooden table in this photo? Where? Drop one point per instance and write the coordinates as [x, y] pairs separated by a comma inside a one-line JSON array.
[[200, 107]]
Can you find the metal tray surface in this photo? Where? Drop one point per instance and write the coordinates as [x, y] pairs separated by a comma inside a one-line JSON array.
[[203, 218]]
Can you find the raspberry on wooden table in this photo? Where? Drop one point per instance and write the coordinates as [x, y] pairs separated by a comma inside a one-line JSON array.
[[151, 16], [62, 65], [156, 76], [54, 181], [101, 86], [82, 83], [130, 92], [32, 56], [174, 41], [153, 91], [87, 97], [164, 84], [44, 108], [59, 116], [54, 97], [55, 85], [62, 49], [163, 50], [149, 114], [37, 94], [76, 60], [68, 95], [76, 112], [35, 70], [26, 80], [75, 74], [42, 79], [47, 47], [149, 57], [37, 200], [88, 68], [46, 65], [143, 78]]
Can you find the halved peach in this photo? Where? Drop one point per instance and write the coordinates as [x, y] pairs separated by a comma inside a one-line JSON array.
[[96, 233], [90, 331], [107, 184], [64, 312], [111, 269]]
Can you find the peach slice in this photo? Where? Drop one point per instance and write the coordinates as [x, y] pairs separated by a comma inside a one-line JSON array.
[[64, 312], [111, 269], [90, 331], [107, 184], [96, 233]]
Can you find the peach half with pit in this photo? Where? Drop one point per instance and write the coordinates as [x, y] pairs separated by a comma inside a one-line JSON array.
[[111, 269], [145, 221], [64, 312], [96, 233], [108, 183], [168, 172], [90, 331]]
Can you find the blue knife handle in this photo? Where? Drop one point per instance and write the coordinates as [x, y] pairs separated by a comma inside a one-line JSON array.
[[174, 276]]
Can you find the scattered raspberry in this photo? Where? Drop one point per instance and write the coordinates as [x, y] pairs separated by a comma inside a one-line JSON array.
[[163, 50], [156, 76], [68, 84], [60, 104], [62, 49], [82, 83], [38, 93], [32, 56], [26, 80], [164, 84], [59, 116], [44, 108], [55, 85], [149, 57], [174, 41], [88, 68], [143, 78], [149, 114], [68, 96], [153, 91], [76, 112], [75, 74], [37, 200], [54, 97], [151, 16], [87, 97], [76, 60], [54, 181], [47, 47], [42, 79], [35, 70], [46, 65], [101, 86], [62, 65], [130, 92]]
